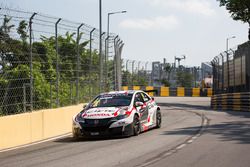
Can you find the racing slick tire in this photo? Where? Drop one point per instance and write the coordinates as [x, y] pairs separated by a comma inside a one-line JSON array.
[[75, 137], [136, 125], [158, 119]]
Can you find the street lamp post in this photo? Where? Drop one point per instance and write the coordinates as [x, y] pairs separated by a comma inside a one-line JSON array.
[[107, 45], [232, 37], [111, 13], [228, 74], [100, 43]]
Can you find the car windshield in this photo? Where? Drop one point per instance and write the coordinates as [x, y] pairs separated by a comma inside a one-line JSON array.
[[111, 100]]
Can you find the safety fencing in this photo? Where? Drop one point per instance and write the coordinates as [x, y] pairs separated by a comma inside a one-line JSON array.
[[231, 79], [168, 91], [231, 73], [231, 102], [49, 62]]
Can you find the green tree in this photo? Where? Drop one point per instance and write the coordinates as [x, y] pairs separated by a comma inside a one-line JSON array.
[[5, 28], [168, 69], [126, 78], [184, 79], [166, 82], [15, 69], [239, 10], [22, 30]]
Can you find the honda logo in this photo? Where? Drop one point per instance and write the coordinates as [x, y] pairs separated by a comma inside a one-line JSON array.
[[96, 121]]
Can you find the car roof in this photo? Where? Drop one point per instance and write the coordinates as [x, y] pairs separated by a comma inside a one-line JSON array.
[[122, 92]]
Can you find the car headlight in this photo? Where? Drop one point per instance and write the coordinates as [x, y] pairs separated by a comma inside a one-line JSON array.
[[79, 118], [123, 116]]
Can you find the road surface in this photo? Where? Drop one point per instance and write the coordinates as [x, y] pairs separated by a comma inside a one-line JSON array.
[[191, 135]]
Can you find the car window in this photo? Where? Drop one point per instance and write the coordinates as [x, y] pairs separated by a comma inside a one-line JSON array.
[[111, 100], [138, 98], [145, 97]]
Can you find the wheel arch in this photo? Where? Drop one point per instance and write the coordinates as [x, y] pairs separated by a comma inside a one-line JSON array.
[[136, 114]]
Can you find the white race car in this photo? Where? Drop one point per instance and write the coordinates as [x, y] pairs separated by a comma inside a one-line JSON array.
[[124, 113]]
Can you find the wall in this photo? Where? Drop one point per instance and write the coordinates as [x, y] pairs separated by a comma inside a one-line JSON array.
[[20, 129]]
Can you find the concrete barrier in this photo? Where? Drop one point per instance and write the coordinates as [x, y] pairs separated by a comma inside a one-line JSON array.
[[231, 101], [179, 91], [20, 129]]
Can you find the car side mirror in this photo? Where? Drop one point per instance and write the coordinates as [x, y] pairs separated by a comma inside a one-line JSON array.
[[153, 98], [138, 104], [85, 105]]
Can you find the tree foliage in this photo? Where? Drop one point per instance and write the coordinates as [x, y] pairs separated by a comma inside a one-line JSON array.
[[139, 79], [15, 68], [239, 10], [168, 69], [184, 79]]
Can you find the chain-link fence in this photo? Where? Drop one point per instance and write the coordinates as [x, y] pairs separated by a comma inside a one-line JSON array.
[[136, 73], [231, 72], [47, 62]]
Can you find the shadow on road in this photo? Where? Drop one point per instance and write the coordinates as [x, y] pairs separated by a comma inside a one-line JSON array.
[[192, 106], [72, 140], [238, 131]]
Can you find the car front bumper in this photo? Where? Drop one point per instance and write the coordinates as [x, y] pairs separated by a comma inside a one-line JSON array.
[[95, 131]]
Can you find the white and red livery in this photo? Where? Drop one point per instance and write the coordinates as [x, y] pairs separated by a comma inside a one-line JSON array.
[[122, 113]]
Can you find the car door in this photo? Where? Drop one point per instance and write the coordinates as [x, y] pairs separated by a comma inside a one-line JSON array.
[[143, 110], [148, 104]]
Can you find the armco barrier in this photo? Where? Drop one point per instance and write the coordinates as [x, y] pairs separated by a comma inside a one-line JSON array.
[[231, 101], [20, 129], [179, 91]]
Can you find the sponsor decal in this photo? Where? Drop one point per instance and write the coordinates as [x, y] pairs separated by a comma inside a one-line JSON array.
[[116, 113], [98, 115], [84, 114], [113, 94], [149, 119], [100, 111], [145, 128], [129, 112]]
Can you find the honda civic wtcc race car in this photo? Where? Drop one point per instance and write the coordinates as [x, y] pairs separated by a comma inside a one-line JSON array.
[[123, 113]]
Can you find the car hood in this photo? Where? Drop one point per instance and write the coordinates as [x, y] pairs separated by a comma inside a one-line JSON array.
[[101, 113]]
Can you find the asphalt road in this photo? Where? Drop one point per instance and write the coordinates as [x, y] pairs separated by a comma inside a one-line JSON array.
[[191, 135]]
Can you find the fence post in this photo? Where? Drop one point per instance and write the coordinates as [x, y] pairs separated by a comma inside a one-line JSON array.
[[78, 64], [101, 64], [57, 64], [127, 74], [91, 62], [105, 62], [31, 62], [114, 62], [222, 59], [233, 69], [138, 69], [241, 78], [228, 74], [119, 68], [215, 76]]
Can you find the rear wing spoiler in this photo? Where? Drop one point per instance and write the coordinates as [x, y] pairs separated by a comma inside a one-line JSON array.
[[149, 91]]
